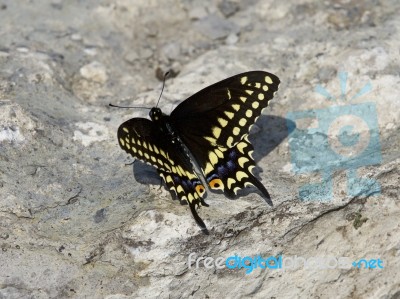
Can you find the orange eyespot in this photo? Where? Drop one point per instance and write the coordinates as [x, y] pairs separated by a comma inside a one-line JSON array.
[[216, 184], [200, 189]]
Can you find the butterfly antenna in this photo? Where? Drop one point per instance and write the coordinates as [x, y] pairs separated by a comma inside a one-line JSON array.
[[134, 107], [128, 107], [162, 89]]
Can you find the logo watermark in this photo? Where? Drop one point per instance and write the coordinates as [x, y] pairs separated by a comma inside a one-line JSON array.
[[281, 262], [340, 137]]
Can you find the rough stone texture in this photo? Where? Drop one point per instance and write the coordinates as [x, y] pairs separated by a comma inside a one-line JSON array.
[[74, 221]]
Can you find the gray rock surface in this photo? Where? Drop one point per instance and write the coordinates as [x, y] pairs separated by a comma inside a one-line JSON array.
[[75, 221]]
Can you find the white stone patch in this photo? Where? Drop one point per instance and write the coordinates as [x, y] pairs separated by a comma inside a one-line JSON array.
[[16, 126], [11, 135], [287, 168], [94, 71], [90, 132]]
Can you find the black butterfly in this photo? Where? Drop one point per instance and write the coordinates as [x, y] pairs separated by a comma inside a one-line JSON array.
[[211, 126]]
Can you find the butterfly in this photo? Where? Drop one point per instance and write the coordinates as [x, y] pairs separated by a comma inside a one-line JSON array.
[[209, 130]]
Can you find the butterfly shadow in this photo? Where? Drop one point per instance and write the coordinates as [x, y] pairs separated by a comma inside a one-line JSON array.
[[269, 132]]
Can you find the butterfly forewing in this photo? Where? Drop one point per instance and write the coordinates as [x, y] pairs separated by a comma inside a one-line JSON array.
[[224, 112]]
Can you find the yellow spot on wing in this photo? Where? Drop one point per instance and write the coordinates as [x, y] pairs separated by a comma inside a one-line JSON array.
[[163, 154], [229, 141], [128, 146], [216, 131], [241, 175], [242, 161], [258, 85], [190, 175], [230, 182], [260, 96], [190, 197], [251, 154], [243, 99], [265, 87], [125, 130], [208, 169], [169, 179], [219, 153], [249, 113], [223, 122], [229, 94], [213, 158], [242, 122], [243, 80], [236, 131], [248, 184], [236, 107], [241, 146], [156, 150], [180, 189], [181, 170], [250, 92], [211, 140], [268, 79], [255, 105], [122, 141], [229, 114]]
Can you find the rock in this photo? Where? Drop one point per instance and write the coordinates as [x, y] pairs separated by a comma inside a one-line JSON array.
[[232, 39], [228, 8], [215, 27], [171, 50], [197, 12], [78, 220], [94, 71]]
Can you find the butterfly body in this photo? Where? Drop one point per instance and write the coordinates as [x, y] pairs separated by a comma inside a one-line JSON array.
[[211, 127]]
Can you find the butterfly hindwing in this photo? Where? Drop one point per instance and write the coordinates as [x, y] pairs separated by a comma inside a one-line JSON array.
[[142, 139]]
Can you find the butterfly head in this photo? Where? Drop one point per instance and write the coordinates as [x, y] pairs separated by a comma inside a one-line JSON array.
[[155, 114]]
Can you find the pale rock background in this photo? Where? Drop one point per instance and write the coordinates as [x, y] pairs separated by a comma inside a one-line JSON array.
[[76, 222]]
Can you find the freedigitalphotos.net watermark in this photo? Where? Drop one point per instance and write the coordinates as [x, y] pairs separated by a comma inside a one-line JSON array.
[[281, 262], [343, 136]]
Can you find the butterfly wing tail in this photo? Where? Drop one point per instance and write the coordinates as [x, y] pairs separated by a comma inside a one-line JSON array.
[[262, 189], [188, 188]]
